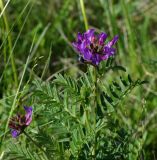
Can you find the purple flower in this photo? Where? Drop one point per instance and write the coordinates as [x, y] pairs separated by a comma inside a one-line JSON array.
[[91, 47], [19, 122]]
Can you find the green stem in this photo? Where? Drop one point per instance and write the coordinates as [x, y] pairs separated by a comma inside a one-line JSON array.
[[84, 14], [29, 137], [9, 44], [95, 110]]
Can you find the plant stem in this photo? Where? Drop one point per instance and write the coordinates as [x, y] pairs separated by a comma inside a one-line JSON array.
[[84, 14], [95, 109], [29, 137]]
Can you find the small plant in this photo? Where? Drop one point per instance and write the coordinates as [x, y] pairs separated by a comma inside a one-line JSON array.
[[77, 118]]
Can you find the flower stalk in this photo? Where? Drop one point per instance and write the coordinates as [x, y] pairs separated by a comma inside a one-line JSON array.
[[84, 14]]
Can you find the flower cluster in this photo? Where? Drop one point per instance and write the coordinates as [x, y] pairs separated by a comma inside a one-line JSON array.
[[20, 122], [91, 47]]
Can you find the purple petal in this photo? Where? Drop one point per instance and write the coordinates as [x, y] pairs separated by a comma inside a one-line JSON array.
[[81, 46], [28, 115], [104, 57], [28, 109], [109, 51], [87, 54], [84, 45], [15, 133], [96, 59], [112, 42], [89, 34], [76, 45], [102, 37], [80, 37]]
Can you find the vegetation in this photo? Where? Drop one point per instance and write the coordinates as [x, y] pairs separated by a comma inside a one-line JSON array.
[[79, 111]]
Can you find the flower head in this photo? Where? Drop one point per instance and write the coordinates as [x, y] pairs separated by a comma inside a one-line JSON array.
[[19, 122], [91, 47]]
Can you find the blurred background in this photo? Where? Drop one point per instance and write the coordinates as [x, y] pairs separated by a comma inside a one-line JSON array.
[[35, 43]]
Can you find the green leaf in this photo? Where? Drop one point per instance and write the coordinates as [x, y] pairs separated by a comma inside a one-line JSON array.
[[144, 82], [81, 110], [103, 101], [119, 68], [113, 92], [108, 98], [123, 82], [118, 87], [129, 79]]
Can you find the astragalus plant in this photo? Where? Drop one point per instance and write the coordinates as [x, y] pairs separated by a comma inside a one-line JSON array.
[[78, 117]]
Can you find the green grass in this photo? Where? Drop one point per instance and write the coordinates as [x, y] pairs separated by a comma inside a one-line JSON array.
[[35, 45]]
